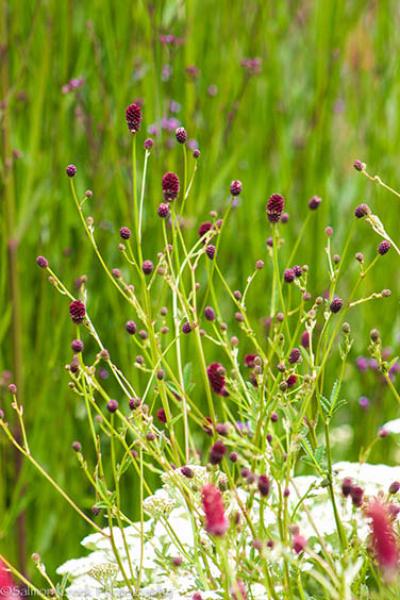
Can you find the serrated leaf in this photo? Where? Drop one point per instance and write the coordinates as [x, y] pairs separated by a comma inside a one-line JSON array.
[[325, 405]]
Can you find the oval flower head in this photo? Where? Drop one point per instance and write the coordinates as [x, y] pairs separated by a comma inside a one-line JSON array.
[[383, 542], [216, 521]]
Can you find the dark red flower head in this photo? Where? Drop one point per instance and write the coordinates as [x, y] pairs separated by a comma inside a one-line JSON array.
[[209, 313], [362, 210], [170, 186], [357, 495], [336, 305], [384, 247], [204, 228], [216, 522], [133, 115], [236, 187], [347, 486], [314, 202], [181, 135], [147, 267], [210, 251], [275, 206], [112, 406], [217, 452], [263, 485], [249, 360], [77, 311], [305, 340], [294, 356], [289, 275], [163, 210], [125, 233], [71, 170], [216, 377], [161, 416]]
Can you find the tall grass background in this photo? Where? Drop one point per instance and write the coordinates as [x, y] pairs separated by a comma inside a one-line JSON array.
[[328, 93]]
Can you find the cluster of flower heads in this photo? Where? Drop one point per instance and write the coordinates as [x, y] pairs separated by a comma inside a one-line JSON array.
[[366, 497]]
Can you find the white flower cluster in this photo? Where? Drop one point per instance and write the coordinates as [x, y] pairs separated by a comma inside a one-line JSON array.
[[173, 530]]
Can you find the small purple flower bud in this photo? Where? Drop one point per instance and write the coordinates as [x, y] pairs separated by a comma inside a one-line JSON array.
[[125, 233], [187, 472], [394, 487], [357, 494], [147, 267], [76, 446], [289, 275], [384, 247], [12, 388], [112, 406], [294, 356], [359, 166], [186, 327], [210, 251], [130, 327], [77, 345], [347, 486], [42, 262], [148, 144], [71, 170], [217, 452], [362, 210], [209, 313], [336, 305], [263, 485], [161, 416], [196, 153], [163, 210], [314, 202], [363, 402], [305, 340], [284, 217], [298, 271], [134, 403]]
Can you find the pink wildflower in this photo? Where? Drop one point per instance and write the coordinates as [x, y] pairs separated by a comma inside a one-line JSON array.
[[384, 543], [216, 521]]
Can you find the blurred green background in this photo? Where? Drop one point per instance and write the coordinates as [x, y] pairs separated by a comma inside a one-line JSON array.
[[326, 92]]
